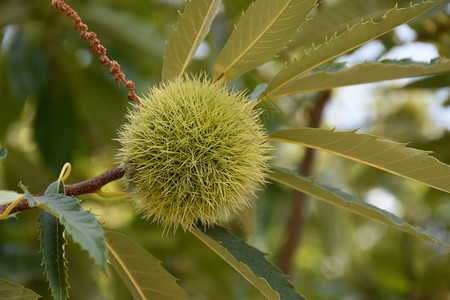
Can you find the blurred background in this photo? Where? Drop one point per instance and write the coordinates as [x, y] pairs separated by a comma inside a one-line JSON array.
[[58, 105]]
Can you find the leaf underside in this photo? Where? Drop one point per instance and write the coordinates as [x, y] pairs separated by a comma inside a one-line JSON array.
[[52, 248], [12, 291], [352, 38], [193, 26], [336, 75], [348, 202], [8, 196], [249, 262], [368, 149], [261, 32], [141, 271], [79, 223]]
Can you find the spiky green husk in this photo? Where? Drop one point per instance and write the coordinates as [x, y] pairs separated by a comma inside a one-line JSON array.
[[194, 153]]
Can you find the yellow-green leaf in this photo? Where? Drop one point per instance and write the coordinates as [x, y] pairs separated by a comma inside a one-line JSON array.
[[352, 38], [142, 272], [193, 26], [261, 32], [391, 157], [335, 16], [335, 75], [348, 202], [12, 291]]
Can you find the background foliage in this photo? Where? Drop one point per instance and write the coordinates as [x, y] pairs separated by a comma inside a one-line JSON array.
[[57, 105]]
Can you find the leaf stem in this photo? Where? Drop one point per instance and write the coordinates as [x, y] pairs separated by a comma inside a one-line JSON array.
[[84, 187]]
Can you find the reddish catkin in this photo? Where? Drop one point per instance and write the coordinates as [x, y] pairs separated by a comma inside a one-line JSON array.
[[97, 48]]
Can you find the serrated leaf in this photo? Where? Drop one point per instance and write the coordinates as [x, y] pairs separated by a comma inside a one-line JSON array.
[[249, 262], [348, 202], [352, 38], [52, 248], [261, 32], [335, 75], [434, 82], [335, 16], [368, 149], [141, 271], [12, 291], [193, 26], [79, 223]]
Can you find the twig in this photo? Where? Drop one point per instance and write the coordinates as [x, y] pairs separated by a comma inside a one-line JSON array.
[[294, 227], [97, 48], [85, 187]]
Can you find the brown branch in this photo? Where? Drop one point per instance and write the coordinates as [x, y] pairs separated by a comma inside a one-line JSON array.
[[85, 187], [97, 48], [296, 220]]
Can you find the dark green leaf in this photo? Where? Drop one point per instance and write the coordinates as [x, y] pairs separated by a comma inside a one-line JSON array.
[[249, 262], [28, 66], [11, 291], [52, 248], [10, 106], [79, 223]]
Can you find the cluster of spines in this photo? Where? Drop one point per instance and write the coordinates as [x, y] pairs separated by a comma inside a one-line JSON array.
[[194, 152]]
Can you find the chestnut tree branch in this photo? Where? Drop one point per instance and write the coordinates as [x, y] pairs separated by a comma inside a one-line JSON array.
[[84, 187]]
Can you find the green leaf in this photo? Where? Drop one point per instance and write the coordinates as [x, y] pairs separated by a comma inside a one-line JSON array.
[[336, 76], [249, 262], [79, 223], [348, 202], [335, 16], [141, 271], [389, 156], [52, 248], [7, 197], [12, 291], [261, 32], [193, 26], [337, 45]]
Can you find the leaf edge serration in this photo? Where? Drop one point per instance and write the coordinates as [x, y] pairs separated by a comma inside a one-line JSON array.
[[289, 68]]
